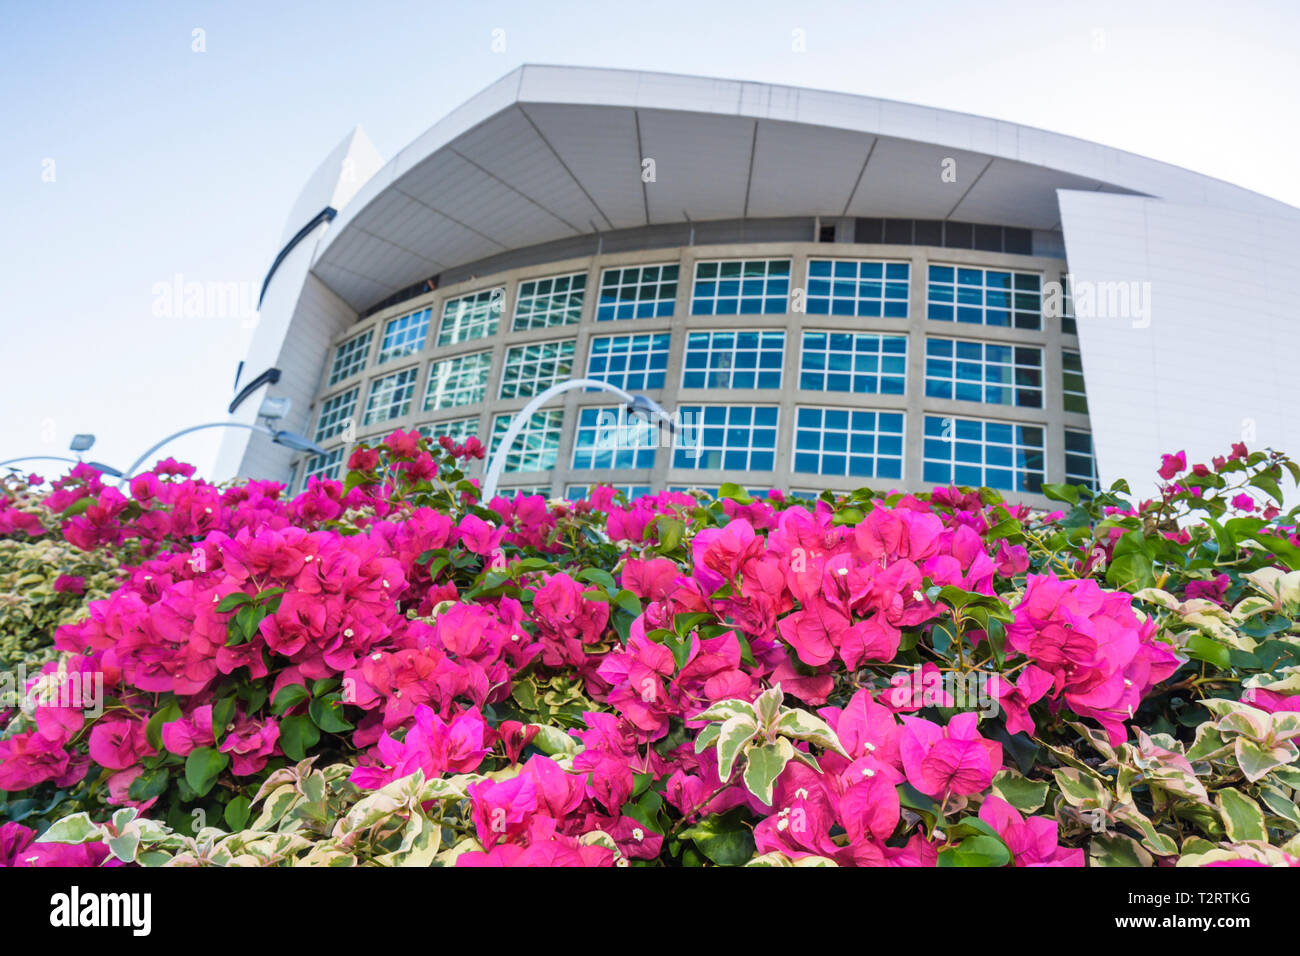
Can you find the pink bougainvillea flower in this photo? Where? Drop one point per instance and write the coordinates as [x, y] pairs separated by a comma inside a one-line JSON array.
[[29, 759], [948, 760], [1012, 559], [557, 850], [865, 728], [1171, 465], [1214, 590], [1271, 701], [722, 553], [119, 742], [1032, 841], [250, 744], [651, 580], [431, 745], [514, 737], [1014, 699], [912, 690], [18, 848], [804, 812], [1101, 658], [182, 736], [479, 537], [502, 809]]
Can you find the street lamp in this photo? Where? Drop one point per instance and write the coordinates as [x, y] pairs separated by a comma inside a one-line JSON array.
[[637, 405], [272, 410], [80, 442]]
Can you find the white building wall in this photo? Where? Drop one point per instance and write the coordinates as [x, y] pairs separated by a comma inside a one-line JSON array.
[[298, 316], [1214, 361]]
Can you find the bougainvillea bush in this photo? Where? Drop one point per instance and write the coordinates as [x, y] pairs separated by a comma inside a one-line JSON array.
[[390, 671]]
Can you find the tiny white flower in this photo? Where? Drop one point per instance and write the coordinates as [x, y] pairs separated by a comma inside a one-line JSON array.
[[868, 772], [869, 747], [783, 824], [841, 571], [347, 632], [376, 656], [638, 834]]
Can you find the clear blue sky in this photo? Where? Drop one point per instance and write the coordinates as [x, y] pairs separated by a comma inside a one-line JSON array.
[[169, 161]]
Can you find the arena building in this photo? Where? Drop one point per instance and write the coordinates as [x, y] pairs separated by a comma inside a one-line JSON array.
[[825, 290]]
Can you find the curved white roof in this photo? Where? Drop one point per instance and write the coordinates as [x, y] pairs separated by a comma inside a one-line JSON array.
[[550, 152]]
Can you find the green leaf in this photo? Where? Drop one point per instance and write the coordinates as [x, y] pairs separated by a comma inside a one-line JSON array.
[[768, 705], [232, 601], [1285, 551], [978, 850], [149, 784], [736, 493], [671, 532], [1203, 648], [164, 715], [1080, 789], [645, 810], [1267, 484], [78, 507], [1023, 794], [77, 828], [552, 740], [914, 799], [706, 737], [684, 624], [289, 696], [1280, 804], [1256, 760], [296, 735], [223, 712], [202, 767], [1068, 493], [1223, 539], [629, 602], [124, 846], [1131, 572], [599, 576], [323, 685], [724, 838], [325, 715], [236, 814], [735, 733], [1242, 818], [763, 765], [725, 709], [801, 725], [1116, 849], [847, 516]]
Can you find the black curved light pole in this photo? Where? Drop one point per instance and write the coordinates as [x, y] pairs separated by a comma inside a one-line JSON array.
[[98, 466], [281, 437]]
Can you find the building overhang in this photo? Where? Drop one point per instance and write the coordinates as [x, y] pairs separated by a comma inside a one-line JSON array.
[[550, 153]]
